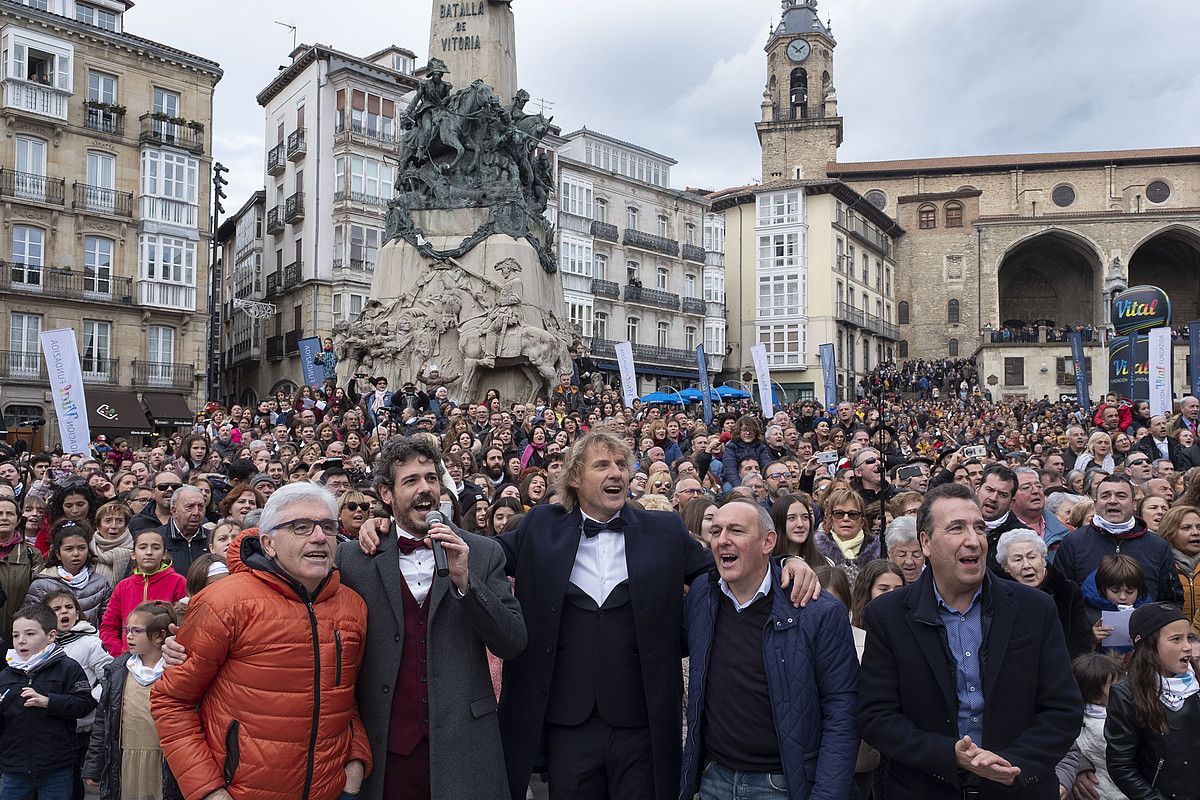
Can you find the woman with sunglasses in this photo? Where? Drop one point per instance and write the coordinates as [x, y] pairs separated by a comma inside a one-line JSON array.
[[842, 538], [353, 510]]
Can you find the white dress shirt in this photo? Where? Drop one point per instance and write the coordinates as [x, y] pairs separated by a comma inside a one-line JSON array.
[[417, 569], [764, 589], [1163, 449], [600, 563]]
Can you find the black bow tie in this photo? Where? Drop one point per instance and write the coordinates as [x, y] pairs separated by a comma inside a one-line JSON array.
[[591, 527]]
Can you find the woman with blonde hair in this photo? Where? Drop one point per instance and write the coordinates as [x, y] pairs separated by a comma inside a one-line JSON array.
[[1099, 451], [843, 537]]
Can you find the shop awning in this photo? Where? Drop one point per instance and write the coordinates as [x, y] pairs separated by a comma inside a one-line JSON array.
[[168, 409], [116, 413]]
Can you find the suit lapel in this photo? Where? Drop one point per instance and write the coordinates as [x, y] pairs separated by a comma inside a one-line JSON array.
[[926, 624], [387, 564], [1003, 609], [639, 558], [437, 591], [560, 556]]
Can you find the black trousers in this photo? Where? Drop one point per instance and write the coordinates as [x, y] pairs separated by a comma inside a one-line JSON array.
[[595, 761]]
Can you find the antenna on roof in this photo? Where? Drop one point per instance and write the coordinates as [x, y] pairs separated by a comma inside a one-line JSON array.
[[543, 104], [292, 28]]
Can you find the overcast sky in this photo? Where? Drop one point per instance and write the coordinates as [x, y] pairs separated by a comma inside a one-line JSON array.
[[915, 79]]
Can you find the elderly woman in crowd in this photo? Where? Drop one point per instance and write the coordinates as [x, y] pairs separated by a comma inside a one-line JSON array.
[[903, 549], [1022, 554], [1060, 504], [843, 538], [1181, 528]]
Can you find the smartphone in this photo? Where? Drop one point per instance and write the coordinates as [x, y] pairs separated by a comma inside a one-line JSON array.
[[909, 472], [332, 463], [828, 457], [974, 451]]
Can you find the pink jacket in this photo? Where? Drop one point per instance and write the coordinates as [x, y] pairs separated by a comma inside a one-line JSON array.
[[131, 592]]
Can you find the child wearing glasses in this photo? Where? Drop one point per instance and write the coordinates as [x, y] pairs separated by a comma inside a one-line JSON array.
[[152, 579], [124, 759]]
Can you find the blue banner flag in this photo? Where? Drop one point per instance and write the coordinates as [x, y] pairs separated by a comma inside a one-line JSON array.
[[1194, 356], [826, 351], [1131, 372], [310, 348], [705, 384], [1082, 395]]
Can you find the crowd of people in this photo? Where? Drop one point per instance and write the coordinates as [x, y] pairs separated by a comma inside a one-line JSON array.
[[918, 593]]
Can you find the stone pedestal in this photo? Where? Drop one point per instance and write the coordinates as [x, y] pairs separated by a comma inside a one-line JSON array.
[[476, 39]]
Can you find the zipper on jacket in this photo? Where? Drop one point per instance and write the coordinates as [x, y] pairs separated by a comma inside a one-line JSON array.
[[316, 712], [337, 645], [1157, 770]]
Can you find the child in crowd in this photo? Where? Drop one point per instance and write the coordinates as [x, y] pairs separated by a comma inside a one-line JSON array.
[[206, 569], [70, 564], [43, 694], [1095, 673], [79, 639], [1118, 584], [152, 579], [124, 760]]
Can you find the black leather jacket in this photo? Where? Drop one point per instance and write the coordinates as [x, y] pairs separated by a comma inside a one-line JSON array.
[[1150, 765]]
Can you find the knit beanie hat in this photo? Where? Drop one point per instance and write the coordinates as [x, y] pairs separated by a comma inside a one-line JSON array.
[[1150, 618]]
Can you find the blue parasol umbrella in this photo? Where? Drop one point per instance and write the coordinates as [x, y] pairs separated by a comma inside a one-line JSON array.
[[661, 397], [730, 393]]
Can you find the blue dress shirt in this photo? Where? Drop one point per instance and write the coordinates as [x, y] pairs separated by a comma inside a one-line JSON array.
[[964, 634]]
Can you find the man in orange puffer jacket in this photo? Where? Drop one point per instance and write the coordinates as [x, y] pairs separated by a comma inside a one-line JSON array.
[[263, 708]]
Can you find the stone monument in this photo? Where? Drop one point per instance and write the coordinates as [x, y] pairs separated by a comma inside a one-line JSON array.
[[467, 278]]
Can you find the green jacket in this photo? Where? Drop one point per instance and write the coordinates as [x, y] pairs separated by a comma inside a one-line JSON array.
[[16, 573]]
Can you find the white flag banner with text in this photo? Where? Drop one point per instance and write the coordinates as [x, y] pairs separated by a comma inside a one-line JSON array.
[[1160, 371], [629, 390], [66, 385], [762, 374]]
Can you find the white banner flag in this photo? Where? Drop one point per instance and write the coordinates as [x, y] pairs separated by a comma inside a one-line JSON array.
[[66, 385], [629, 390], [1160, 371], [762, 373]]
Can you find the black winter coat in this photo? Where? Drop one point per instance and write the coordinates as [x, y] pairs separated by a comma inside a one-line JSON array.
[[1069, 600], [1149, 765], [104, 753], [35, 741]]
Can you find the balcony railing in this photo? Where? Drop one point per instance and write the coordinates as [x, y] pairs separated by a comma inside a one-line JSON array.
[[360, 197], [70, 284], [167, 295], [602, 230], [354, 268], [272, 284], [35, 188], [291, 274], [275, 165], [163, 375], [296, 145], [275, 220], [22, 365], [291, 342], [864, 231], [100, 371], [160, 132], [275, 348], [104, 119], [648, 241], [101, 200], [294, 208], [607, 289], [345, 128], [605, 348], [651, 297], [854, 316], [35, 98], [693, 305], [165, 209], [693, 252]]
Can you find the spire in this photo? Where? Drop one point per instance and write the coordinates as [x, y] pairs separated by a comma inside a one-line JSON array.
[[800, 17]]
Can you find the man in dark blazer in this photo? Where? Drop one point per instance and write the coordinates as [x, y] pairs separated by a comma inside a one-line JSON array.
[[1157, 444], [965, 681], [595, 698], [424, 691]]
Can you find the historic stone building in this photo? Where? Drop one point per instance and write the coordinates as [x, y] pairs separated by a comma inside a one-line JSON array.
[[999, 248], [104, 215]]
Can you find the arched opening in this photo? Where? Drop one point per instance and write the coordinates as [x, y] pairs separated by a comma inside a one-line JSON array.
[[953, 315], [1050, 279], [799, 93], [902, 312], [1170, 260]]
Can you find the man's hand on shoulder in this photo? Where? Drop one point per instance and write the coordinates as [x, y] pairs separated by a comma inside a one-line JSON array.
[[369, 535]]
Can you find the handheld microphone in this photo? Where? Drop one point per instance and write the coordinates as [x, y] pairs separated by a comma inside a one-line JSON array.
[[439, 554]]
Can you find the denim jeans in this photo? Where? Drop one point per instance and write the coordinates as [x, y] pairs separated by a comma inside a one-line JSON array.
[[56, 785], [720, 783]]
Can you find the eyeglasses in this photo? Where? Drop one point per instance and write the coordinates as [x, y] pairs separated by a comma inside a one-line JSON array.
[[839, 513], [167, 487], [305, 526], [660, 484], [136, 630], [778, 475], [1137, 461], [357, 507], [695, 491]]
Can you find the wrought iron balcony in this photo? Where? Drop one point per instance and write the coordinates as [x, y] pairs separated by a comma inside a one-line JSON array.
[[275, 165], [693, 252], [20, 365], [294, 208], [605, 348], [69, 284], [275, 220], [360, 197], [273, 284], [104, 118], [291, 342], [275, 348], [651, 297], [602, 230], [346, 128], [296, 146], [159, 130], [100, 371], [101, 200], [850, 314], [291, 274], [648, 241], [163, 375], [693, 305], [34, 188], [608, 289], [354, 268]]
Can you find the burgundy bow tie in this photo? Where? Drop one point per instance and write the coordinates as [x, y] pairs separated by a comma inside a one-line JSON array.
[[409, 546]]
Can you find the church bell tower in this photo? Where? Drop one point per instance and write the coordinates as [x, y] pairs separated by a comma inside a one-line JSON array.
[[800, 130]]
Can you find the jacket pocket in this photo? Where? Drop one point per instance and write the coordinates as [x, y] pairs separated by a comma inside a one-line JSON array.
[[337, 646], [232, 754], [483, 706]]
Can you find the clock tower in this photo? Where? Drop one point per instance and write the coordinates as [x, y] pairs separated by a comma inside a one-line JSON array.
[[800, 129]]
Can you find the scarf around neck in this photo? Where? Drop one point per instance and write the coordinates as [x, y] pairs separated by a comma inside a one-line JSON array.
[[1190, 562], [101, 545], [143, 674], [1095, 711], [78, 630], [850, 547], [34, 661], [75, 581], [1175, 691], [997, 522], [1118, 529]]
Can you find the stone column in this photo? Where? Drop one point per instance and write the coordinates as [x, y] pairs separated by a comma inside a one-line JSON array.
[[476, 39]]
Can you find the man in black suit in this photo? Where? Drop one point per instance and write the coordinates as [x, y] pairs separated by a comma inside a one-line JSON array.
[[595, 698], [965, 684], [1157, 444]]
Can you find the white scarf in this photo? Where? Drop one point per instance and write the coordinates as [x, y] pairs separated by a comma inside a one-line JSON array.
[[997, 522], [1113, 527], [1095, 712], [1174, 691], [143, 674], [75, 581], [35, 661]]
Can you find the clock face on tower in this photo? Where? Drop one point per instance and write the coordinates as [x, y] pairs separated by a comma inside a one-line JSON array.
[[799, 50]]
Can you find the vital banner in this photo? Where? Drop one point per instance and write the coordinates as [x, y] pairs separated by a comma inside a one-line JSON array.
[[310, 348], [66, 386], [1140, 308], [705, 384], [827, 372], [624, 353], [1125, 367], [1159, 366], [1194, 356], [1079, 365], [762, 374]]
